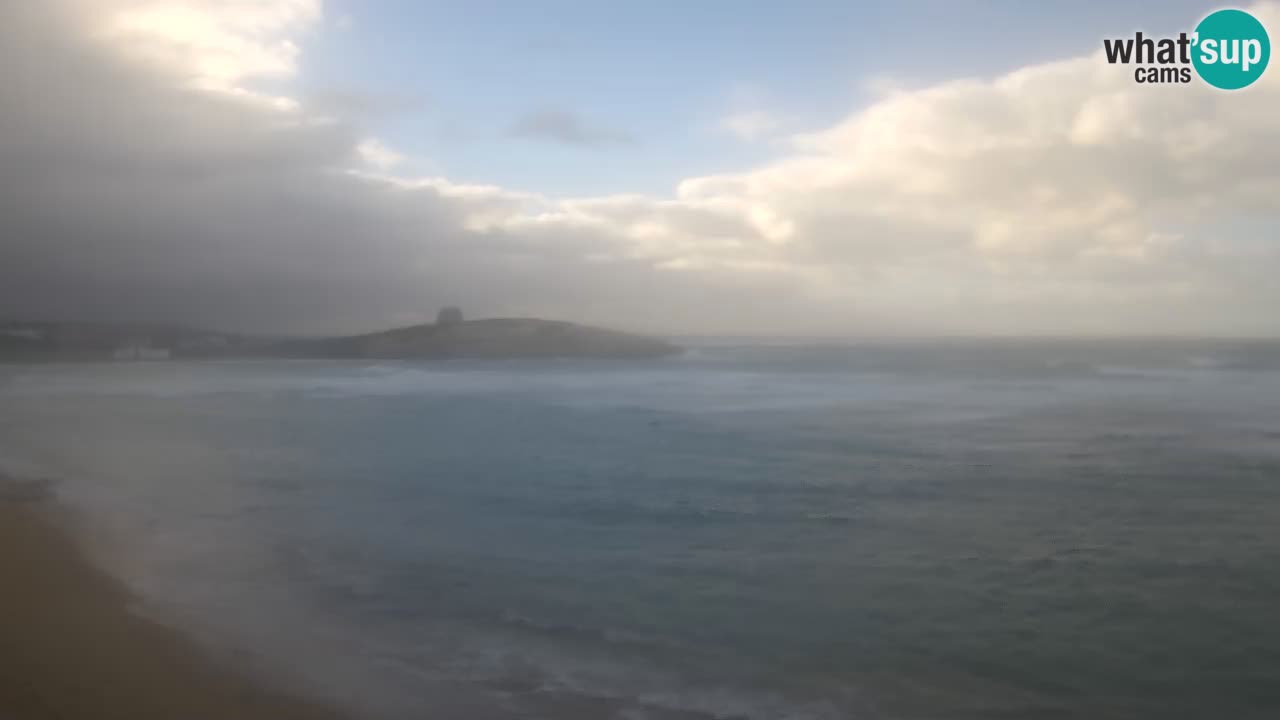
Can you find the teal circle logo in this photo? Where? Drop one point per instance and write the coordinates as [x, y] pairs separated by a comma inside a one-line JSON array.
[[1231, 49]]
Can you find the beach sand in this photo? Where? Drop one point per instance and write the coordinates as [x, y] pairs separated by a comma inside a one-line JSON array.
[[70, 648]]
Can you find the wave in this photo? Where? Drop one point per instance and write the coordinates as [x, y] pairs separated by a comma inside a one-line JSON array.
[[544, 677], [1010, 358]]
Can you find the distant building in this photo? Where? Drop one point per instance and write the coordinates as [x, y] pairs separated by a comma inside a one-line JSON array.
[[449, 316]]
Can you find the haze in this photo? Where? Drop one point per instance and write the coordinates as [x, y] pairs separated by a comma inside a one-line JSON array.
[[287, 165]]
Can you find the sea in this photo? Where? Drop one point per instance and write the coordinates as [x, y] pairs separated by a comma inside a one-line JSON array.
[[809, 530]]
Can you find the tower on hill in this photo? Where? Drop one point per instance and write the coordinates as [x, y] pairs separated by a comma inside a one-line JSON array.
[[451, 315]]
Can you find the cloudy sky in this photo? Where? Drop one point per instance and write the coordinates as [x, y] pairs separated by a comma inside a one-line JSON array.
[[834, 168]]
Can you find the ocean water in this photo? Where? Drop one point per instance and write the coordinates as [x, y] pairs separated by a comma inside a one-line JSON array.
[[886, 530]]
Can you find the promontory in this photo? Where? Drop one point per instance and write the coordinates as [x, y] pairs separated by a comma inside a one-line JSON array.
[[449, 337]]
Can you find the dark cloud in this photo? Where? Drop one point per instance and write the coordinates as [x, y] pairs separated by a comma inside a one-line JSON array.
[[567, 128], [127, 198]]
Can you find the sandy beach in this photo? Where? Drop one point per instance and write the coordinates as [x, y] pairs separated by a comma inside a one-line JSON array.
[[70, 648]]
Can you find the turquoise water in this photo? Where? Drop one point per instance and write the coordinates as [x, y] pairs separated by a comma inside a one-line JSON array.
[[910, 530]]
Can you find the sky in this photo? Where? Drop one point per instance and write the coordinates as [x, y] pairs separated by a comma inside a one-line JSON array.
[[837, 169]]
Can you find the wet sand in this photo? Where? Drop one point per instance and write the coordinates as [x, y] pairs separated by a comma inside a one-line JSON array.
[[71, 649]]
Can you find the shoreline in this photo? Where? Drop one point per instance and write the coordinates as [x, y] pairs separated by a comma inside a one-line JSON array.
[[72, 649]]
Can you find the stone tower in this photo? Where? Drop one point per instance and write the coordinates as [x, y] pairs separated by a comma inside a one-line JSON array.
[[450, 315]]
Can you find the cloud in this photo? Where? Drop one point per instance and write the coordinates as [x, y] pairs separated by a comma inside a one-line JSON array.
[[1057, 163], [216, 44], [751, 125], [1058, 198], [566, 128], [132, 195], [376, 154]]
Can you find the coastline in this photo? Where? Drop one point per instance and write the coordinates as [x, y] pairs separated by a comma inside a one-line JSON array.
[[71, 648]]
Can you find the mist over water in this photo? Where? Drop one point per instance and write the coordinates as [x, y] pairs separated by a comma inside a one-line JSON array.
[[903, 530]]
